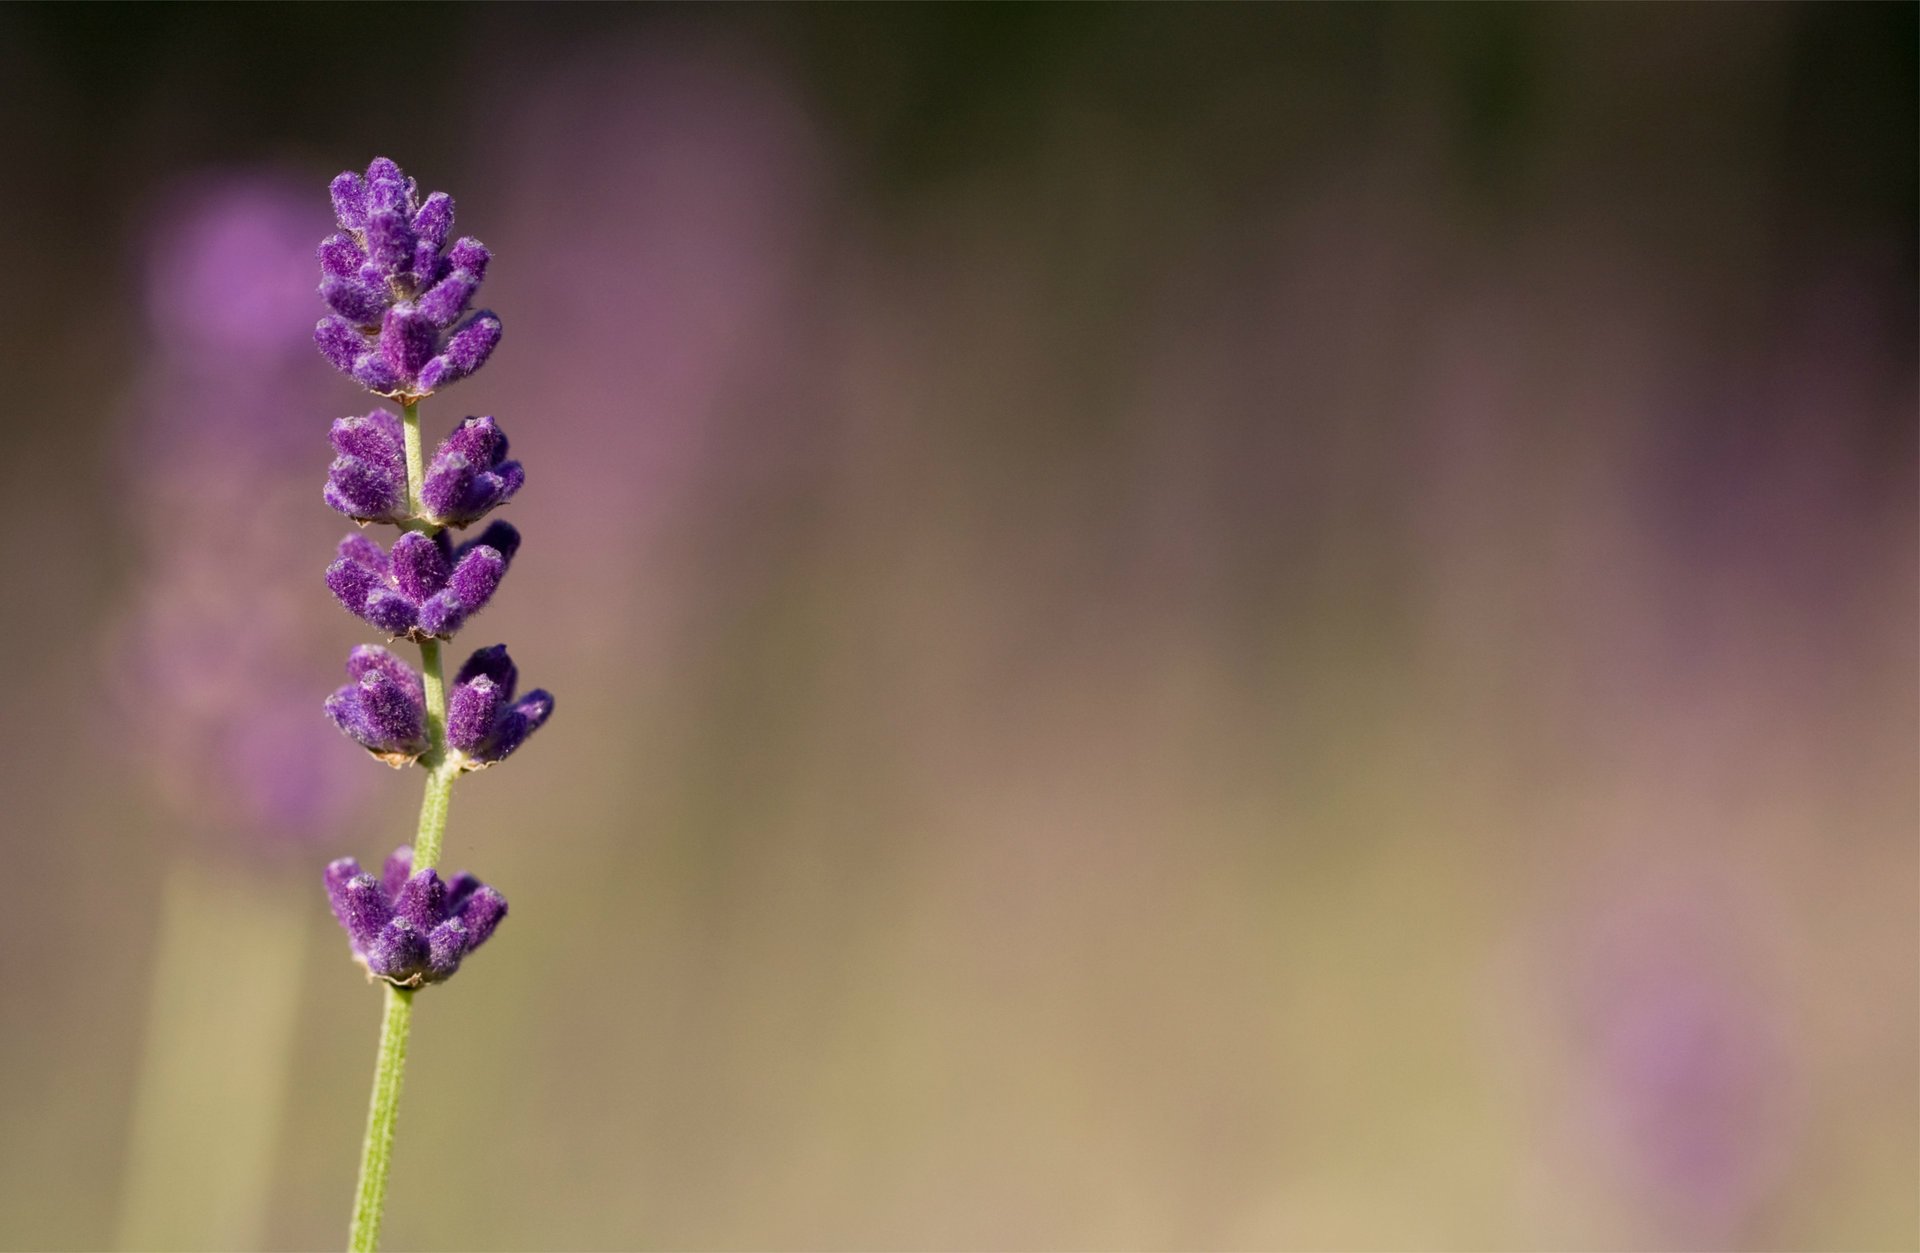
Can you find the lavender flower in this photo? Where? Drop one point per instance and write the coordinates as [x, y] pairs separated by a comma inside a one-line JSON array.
[[484, 721], [468, 477], [470, 474], [395, 301], [411, 929], [425, 588], [384, 708], [395, 296]]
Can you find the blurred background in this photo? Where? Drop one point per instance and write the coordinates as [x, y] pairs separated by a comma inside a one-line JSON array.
[[1225, 627]]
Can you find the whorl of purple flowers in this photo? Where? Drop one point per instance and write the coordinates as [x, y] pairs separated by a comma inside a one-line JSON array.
[[411, 929], [396, 297], [396, 328]]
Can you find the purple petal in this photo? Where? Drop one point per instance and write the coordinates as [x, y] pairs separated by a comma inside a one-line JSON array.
[[495, 664], [471, 255], [499, 536], [399, 952], [375, 437], [526, 716], [393, 874], [340, 257], [351, 583], [367, 659], [419, 566], [358, 547], [361, 908], [390, 612], [476, 577], [446, 300], [354, 300], [363, 491], [398, 720], [459, 888], [422, 900], [349, 201], [472, 708], [372, 372], [407, 340], [466, 351], [339, 342], [435, 218], [446, 945], [481, 913]]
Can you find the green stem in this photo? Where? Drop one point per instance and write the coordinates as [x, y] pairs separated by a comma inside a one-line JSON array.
[[416, 465], [443, 767], [376, 1155]]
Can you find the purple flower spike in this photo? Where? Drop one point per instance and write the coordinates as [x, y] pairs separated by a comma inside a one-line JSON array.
[[484, 722], [424, 588], [411, 929], [394, 294], [384, 709], [469, 474], [368, 481]]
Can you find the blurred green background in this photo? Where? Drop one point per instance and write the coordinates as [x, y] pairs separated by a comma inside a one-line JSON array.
[[1175, 627]]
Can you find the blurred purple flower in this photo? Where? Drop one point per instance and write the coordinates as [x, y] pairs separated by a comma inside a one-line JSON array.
[[223, 718]]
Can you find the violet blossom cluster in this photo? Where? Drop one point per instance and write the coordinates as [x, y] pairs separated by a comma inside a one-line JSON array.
[[411, 929], [396, 328]]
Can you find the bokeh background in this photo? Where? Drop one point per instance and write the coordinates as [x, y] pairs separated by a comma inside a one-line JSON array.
[[1224, 627]]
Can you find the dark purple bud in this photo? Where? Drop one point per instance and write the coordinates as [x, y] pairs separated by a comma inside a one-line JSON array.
[[446, 945], [386, 186], [398, 720], [495, 664], [422, 900], [358, 547], [475, 578], [366, 493], [376, 437], [407, 340], [372, 372], [393, 874], [367, 659], [349, 201], [435, 218], [390, 241], [481, 913], [389, 611], [522, 719], [471, 255], [447, 300], [472, 709], [339, 342], [459, 888], [362, 909], [399, 954], [357, 302], [419, 566], [499, 536], [340, 257], [467, 350], [352, 582]]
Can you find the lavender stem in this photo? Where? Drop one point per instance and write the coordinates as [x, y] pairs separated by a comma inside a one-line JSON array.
[[376, 1153], [443, 767]]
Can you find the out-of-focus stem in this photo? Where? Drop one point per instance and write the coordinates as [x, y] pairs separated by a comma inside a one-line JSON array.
[[443, 767]]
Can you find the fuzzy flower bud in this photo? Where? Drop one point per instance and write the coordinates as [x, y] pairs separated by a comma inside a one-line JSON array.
[[368, 479], [469, 474], [411, 929], [425, 588], [484, 721], [384, 709]]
